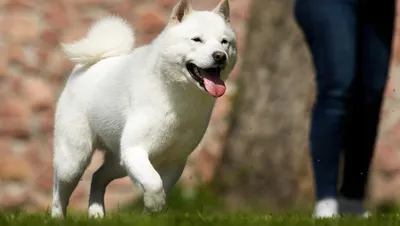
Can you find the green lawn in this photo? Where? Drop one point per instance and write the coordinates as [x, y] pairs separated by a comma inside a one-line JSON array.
[[181, 219], [204, 209]]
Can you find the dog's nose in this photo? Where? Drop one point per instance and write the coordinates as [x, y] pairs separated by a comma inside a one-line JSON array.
[[219, 57]]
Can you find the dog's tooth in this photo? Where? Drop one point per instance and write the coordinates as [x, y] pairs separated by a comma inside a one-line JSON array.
[[197, 71]]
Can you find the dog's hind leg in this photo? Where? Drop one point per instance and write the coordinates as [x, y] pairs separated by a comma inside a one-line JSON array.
[[171, 176], [109, 171], [73, 149]]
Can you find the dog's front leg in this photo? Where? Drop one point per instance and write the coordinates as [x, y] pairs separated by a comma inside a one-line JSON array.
[[140, 169], [136, 145]]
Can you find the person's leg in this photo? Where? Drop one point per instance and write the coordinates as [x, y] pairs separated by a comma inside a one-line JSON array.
[[376, 23], [330, 28]]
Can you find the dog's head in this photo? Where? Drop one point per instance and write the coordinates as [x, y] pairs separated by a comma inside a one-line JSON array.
[[202, 45]]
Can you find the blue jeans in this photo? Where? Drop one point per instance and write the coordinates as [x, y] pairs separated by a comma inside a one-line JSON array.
[[350, 43]]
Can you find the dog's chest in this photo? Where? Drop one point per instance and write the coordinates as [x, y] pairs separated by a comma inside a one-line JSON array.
[[191, 127], [186, 128]]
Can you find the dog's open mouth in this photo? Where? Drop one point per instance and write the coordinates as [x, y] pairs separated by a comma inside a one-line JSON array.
[[208, 78]]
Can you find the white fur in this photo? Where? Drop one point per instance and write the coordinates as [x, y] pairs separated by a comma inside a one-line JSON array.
[[108, 37], [141, 107]]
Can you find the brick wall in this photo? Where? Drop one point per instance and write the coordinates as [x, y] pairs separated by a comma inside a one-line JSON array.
[[385, 186], [33, 71]]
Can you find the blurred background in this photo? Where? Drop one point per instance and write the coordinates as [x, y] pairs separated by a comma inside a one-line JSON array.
[[255, 152]]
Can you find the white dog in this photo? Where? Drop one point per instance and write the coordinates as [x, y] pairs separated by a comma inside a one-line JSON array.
[[147, 108]]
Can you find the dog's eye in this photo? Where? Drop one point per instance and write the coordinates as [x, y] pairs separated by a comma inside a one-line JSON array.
[[224, 41], [197, 39]]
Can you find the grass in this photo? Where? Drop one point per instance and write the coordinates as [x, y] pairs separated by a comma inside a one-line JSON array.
[[204, 209], [192, 219]]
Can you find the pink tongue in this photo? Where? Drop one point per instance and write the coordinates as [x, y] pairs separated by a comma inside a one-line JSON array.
[[213, 83]]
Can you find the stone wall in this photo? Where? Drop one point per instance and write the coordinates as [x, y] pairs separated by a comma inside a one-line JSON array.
[[33, 71]]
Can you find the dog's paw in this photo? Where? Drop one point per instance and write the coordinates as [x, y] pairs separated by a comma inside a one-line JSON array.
[[96, 211], [154, 201]]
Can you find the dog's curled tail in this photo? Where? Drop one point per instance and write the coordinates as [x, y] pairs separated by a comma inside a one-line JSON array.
[[108, 37]]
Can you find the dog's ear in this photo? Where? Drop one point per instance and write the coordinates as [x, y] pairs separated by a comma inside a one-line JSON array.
[[180, 11], [223, 10]]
